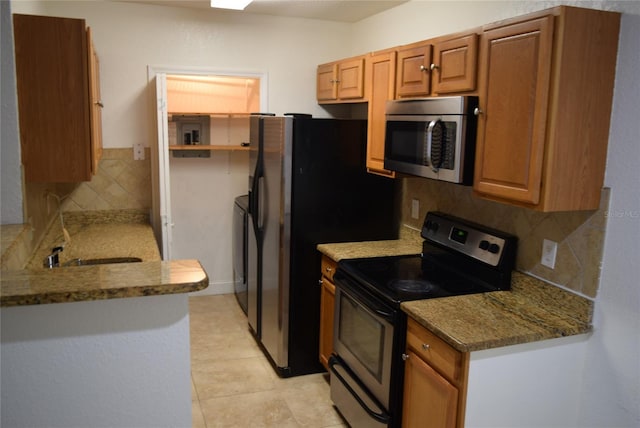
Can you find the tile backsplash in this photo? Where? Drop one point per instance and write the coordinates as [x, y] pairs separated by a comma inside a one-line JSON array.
[[121, 183], [579, 234]]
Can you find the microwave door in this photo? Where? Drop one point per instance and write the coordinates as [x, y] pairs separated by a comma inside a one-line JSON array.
[[407, 146]]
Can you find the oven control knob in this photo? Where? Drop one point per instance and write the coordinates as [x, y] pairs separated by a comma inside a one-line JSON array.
[[484, 245], [494, 248], [431, 225]]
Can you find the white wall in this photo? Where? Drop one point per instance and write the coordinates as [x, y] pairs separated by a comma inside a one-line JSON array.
[[611, 389], [611, 393], [11, 203], [106, 363], [129, 37]]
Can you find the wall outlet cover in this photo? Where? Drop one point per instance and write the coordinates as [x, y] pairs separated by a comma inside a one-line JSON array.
[[138, 151], [415, 208], [549, 252]]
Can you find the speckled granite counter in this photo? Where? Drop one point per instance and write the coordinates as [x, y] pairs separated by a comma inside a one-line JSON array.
[[531, 311], [83, 283], [97, 235], [409, 243], [100, 235]]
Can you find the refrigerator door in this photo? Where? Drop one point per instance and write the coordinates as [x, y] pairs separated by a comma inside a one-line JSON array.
[[277, 146], [254, 230]]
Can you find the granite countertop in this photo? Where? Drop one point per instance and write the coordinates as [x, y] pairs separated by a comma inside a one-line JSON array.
[[82, 283], [531, 311], [100, 235], [410, 242]]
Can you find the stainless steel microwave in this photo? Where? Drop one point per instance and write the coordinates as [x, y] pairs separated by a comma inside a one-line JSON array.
[[432, 137]]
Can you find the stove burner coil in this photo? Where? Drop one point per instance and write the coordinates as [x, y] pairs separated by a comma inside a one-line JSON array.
[[411, 285]]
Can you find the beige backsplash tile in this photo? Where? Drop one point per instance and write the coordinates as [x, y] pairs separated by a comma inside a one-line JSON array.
[[121, 183], [579, 234]]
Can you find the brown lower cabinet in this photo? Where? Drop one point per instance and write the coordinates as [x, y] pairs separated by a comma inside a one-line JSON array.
[[435, 381], [327, 297]]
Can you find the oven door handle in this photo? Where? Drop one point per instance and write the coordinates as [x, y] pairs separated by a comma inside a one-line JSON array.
[[352, 289], [381, 417]]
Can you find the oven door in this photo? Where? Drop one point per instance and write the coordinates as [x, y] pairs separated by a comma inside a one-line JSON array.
[[364, 336]]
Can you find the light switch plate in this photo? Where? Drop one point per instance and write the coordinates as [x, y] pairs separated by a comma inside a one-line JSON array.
[[549, 251], [415, 209], [138, 151]]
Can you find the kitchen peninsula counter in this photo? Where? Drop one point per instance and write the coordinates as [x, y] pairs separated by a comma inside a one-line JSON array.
[[531, 311], [98, 337], [102, 234], [98, 282]]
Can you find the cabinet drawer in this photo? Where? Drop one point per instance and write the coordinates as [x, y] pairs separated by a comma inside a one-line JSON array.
[[449, 362], [328, 267]]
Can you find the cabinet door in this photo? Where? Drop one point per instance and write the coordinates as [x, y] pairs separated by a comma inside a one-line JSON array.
[[516, 62], [380, 77], [351, 79], [327, 299], [430, 401], [52, 81], [413, 73], [326, 88], [454, 65]]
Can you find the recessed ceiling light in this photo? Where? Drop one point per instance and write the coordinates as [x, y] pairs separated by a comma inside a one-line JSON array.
[[230, 4]]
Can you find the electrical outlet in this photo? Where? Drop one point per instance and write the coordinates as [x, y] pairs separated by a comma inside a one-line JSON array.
[[415, 209], [138, 151], [549, 251]]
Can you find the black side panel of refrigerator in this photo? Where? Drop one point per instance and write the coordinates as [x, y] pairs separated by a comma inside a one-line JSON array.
[[334, 200]]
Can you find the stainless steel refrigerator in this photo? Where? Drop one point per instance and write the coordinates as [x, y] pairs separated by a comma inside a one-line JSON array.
[[308, 185]]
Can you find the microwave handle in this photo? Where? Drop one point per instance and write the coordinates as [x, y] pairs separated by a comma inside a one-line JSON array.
[[432, 125]]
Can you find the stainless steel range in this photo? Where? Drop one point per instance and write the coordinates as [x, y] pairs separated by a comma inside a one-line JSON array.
[[458, 257]]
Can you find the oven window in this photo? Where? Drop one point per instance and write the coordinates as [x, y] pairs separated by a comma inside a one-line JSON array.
[[362, 334], [407, 142]]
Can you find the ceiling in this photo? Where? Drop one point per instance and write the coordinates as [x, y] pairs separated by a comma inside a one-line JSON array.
[[331, 10]]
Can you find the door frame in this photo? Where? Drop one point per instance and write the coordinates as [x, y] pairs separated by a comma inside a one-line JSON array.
[[161, 218]]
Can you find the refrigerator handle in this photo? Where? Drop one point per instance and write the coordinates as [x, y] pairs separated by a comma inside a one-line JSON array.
[[260, 204]]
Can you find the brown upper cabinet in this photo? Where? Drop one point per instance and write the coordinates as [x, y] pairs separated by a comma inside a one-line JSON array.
[[441, 66], [546, 85], [58, 99], [340, 81], [380, 77], [413, 71]]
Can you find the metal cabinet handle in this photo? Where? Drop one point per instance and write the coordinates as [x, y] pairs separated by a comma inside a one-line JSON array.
[[434, 67], [423, 68], [320, 282], [328, 269], [477, 111], [405, 357], [426, 346]]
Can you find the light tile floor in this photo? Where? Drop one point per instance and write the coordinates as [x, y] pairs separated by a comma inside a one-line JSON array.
[[233, 384]]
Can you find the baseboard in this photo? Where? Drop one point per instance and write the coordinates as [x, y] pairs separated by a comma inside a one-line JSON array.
[[224, 287]]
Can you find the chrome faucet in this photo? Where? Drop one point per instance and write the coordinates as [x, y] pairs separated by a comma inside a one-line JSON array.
[[53, 259]]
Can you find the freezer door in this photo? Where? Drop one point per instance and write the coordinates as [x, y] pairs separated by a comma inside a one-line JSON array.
[[277, 212]]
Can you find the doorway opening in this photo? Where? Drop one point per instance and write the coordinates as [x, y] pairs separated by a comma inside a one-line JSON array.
[[203, 164]]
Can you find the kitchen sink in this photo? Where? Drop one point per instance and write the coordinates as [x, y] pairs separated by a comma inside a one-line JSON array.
[[104, 261]]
